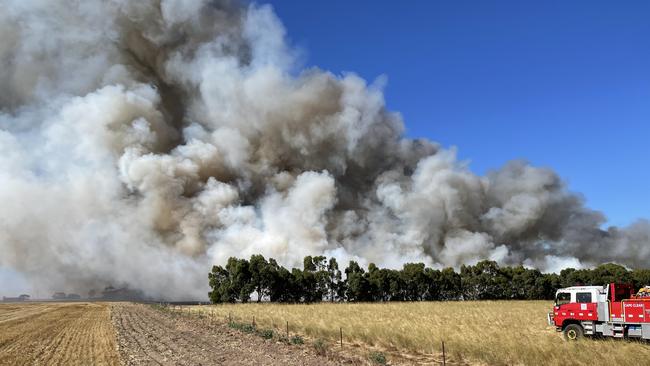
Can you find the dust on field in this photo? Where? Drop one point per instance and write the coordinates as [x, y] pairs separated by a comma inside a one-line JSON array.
[[57, 334]]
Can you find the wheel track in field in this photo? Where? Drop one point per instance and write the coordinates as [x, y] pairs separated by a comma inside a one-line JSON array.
[[129, 333], [147, 336]]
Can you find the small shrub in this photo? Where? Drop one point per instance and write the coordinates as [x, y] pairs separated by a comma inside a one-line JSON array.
[[377, 358], [234, 325], [297, 340], [321, 347], [266, 333], [248, 328]]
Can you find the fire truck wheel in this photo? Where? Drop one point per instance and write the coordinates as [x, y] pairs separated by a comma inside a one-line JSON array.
[[573, 332]]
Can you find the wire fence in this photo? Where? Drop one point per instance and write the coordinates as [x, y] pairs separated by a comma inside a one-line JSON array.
[[249, 324]]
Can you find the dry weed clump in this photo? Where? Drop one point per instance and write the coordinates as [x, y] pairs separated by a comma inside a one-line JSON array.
[[491, 332]]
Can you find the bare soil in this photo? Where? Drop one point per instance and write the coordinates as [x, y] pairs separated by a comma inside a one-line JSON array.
[[148, 336], [57, 334]]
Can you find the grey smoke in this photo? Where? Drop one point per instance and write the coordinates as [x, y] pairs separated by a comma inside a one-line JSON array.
[[143, 141]]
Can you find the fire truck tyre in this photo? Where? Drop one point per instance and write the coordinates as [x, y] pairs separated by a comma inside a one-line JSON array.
[[573, 332]]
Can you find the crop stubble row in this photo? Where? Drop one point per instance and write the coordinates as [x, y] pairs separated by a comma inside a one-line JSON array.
[[57, 334], [132, 334]]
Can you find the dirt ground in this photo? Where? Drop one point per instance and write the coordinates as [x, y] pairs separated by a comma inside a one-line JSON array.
[[57, 334], [148, 336]]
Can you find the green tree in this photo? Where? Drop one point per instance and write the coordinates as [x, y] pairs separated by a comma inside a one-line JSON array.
[[415, 281], [219, 280], [608, 273], [640, 278], [379, 285], [322, 277], [532, 281], [433, 284], [308, 264], [303, 285], [450, 284], [333, 279], [396, 285], [240, 278], [548, 284], [521, 283], [357, 283], [260, 280], [576, 277], [279, 281], [482, 281], [314, 278]]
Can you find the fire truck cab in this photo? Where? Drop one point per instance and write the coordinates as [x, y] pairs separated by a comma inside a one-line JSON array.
[[612, 310]]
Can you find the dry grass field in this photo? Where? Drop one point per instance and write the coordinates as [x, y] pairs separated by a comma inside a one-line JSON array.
[[57, 334], [490, 332]]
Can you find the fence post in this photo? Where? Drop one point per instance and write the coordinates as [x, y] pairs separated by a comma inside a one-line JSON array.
[[341, 333], [444, 358], [253, 322], [287, 329]]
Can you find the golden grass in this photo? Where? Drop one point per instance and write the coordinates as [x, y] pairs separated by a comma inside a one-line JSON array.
[[490, 332], [57, 334]]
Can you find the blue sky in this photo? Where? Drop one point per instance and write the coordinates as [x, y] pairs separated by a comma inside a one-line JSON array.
[[563, 84]]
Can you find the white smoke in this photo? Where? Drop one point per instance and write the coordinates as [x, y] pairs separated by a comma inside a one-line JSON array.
[[143, 141]]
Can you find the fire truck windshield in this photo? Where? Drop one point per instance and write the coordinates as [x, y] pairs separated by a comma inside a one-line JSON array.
[[562, 298]]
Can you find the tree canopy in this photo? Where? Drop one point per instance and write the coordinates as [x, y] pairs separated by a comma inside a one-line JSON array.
[[320, 279]]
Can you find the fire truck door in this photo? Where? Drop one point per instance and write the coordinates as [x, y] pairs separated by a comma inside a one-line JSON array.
[[603, 311]]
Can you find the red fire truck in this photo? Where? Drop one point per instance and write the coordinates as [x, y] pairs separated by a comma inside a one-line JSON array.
[[612, 311]]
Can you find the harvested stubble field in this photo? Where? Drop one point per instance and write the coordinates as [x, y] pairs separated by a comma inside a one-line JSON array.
[[137, 334], [150, 335], [489, 332], [57, 334]]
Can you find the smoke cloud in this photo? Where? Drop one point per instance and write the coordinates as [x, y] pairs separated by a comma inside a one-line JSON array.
[[143, 141]]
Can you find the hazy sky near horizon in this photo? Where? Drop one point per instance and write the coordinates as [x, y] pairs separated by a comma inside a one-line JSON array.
[[13, 284], [560, 84]]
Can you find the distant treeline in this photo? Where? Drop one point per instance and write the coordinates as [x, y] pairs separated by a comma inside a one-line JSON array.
[[321, 279]]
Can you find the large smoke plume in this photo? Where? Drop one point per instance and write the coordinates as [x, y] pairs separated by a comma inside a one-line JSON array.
[[143, 141]]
